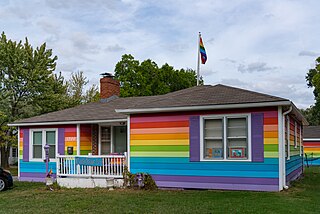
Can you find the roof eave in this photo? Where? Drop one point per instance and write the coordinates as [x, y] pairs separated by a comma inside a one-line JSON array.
[[206, 107], [66, 122]]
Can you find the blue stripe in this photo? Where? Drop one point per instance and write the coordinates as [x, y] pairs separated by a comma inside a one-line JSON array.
[[36, 166], [202, 51], [265, 174], [186, 160], [207, 166], [183, 166]]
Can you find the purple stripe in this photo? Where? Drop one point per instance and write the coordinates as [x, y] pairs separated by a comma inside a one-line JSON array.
[[216, 179], [194, 132], [26, 145], [257, 137], [217, 186], [294, 175], [61, 141], [36, 176]]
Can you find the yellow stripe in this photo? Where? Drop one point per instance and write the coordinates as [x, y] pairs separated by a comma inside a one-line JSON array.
[[159, 154], [85, 147], [159, 142], [271, 141]]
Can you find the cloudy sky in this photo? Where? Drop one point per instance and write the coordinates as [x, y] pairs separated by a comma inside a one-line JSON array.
[[266, 46]]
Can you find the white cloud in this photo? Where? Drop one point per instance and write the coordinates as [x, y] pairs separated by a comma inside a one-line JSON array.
[[260, 39]]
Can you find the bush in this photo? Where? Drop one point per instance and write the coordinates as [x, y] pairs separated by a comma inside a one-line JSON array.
[[139, 180]]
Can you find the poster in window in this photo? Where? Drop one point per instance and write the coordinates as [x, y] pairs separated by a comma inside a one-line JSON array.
[[214, 153], [217, 153], [237, 153]]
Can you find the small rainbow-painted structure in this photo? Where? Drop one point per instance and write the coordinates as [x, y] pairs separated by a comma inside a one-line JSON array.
[[205, 137], [311, 143]]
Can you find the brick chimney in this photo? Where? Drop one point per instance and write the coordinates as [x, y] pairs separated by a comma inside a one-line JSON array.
[[108, 87]]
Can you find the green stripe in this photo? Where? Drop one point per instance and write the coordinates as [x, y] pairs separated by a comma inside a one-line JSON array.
[[85, 152], [271, 147], [160, 148], [159, 154], [271, 154]]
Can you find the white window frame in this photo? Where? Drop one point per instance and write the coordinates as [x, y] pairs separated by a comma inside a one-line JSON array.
[[43, 144], [224, 118]]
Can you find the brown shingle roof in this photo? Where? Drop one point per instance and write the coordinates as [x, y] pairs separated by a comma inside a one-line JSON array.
[[195, 96], [208, 95], [311, 132]]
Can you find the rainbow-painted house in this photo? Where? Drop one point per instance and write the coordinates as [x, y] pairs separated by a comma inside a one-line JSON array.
[[204, 137], [311, 144]]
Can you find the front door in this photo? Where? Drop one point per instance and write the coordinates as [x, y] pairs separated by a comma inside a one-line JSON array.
[[105, 140]]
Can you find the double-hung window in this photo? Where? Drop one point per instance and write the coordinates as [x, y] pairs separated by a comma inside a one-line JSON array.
[[225, 137], [39, 138]]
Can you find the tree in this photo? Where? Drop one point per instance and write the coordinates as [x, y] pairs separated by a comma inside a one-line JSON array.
[[28, 86], [313, 80], [76, 90], [146, 78]]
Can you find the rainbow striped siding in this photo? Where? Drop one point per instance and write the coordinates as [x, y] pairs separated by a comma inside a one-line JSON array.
[[270, 133], [294, 165], [67, 136], [312, 149], [70, 138], [85, 139], [160, 146], [21, 144]]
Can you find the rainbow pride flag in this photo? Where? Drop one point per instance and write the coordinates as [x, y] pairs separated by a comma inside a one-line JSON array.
[[202, 52]]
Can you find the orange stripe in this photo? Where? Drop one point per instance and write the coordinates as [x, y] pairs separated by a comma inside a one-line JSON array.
[[159, 136], [70, 143], [160, 124], [270, 134], [311, 149]]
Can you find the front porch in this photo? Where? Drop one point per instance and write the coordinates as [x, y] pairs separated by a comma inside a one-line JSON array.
[[89, 171], [95, 155]]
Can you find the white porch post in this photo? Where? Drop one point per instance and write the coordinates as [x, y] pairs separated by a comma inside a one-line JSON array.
[[280, 147], [18, 153], [78, 139], [128, 143], [99, 140]]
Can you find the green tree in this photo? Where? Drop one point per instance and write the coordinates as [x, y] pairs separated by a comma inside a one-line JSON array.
[[28, 86], [313, 80], [76, 90], [146, 78]]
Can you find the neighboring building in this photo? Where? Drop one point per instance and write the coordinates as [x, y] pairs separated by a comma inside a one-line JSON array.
[[207, 137], [311, 144], [13, 156]]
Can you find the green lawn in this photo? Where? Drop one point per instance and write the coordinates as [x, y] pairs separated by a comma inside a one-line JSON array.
[[303, 197]]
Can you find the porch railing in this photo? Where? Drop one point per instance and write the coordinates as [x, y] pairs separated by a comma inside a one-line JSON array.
[[102, 166]]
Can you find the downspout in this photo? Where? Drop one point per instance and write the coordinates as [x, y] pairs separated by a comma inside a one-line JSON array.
[[283, 147]]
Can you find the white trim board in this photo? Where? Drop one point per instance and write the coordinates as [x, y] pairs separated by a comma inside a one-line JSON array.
[[67, 122], [206, 107]]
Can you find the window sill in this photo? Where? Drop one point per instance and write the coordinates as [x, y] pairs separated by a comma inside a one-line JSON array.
[[225, 160]]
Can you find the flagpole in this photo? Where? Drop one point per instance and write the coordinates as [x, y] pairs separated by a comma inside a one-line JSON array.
[[198, 68]]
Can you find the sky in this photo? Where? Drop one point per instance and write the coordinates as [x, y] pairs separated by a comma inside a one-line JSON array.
[[265, 46]]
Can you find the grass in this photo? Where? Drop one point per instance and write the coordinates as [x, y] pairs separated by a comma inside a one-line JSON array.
[[302, 197]]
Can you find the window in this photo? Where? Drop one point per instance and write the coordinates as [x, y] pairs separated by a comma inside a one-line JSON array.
[[225, 137], [39, 138]]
